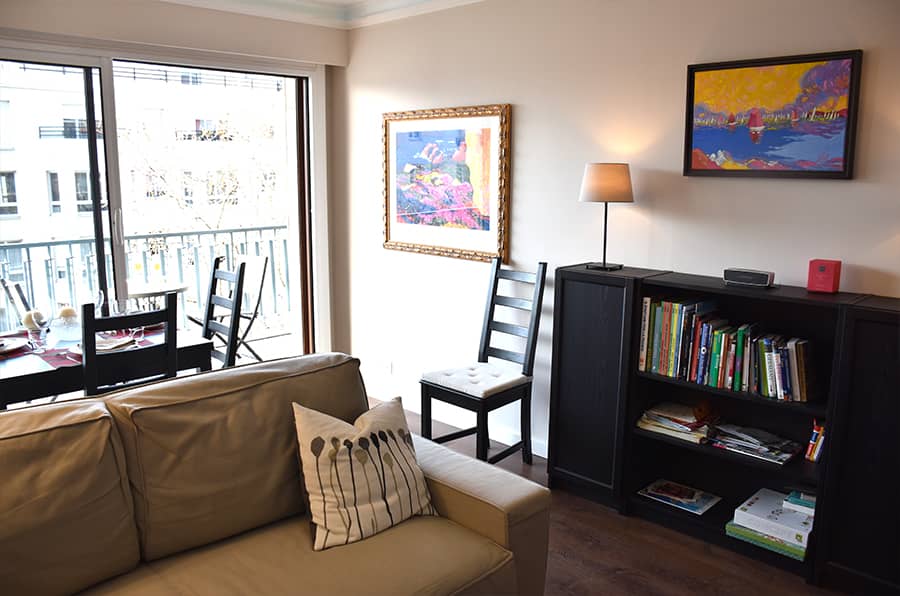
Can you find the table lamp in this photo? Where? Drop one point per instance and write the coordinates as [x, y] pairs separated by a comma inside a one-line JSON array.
[[606, 183]]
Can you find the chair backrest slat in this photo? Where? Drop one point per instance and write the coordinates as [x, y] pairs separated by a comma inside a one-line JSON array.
[[509, 328], [520, 276], [506, 355], [533, 307], [511, 302]]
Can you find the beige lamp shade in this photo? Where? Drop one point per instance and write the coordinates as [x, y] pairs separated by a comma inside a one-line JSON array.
[[606, 183]]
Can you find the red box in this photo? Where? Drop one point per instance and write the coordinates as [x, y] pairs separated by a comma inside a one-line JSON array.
[[824, 276]]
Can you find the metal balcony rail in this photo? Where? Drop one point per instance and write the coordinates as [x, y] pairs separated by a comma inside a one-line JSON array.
[[64, 272]]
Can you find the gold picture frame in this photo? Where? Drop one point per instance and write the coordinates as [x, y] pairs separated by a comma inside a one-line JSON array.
[[446, 181]]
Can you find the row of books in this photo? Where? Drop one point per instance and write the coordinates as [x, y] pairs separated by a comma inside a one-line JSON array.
[[695, 426], [692, 342], [775, 521]]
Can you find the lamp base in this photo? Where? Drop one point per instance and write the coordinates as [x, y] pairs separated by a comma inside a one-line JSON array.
[[603, 266]]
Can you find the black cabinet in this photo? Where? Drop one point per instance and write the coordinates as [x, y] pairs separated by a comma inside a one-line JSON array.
[[862, 546], [591, 355], [598, 394]]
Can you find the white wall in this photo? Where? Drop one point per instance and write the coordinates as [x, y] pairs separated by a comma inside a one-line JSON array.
[[178, 26], [595, 80]]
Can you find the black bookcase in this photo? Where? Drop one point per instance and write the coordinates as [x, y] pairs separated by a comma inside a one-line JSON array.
[[598, 394]]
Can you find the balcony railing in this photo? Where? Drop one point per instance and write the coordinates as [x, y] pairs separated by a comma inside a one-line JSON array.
[[64, 272]]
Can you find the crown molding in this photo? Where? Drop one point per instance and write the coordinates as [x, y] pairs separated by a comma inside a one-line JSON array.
[[349, 15]]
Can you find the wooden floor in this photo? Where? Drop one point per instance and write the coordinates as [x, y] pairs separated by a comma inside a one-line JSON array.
[[594, 550]]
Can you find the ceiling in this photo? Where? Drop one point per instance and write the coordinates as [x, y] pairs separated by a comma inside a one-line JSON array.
[[343, 14]]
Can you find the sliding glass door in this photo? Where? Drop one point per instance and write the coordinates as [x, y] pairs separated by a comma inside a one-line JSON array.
[[53, 232], [199, 163]]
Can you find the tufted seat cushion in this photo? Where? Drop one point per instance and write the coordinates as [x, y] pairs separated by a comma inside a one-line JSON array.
[[479, 380]]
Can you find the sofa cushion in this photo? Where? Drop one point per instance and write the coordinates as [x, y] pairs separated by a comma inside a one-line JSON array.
[[215, 454], [424, 555], [362, 478], [66, 515]]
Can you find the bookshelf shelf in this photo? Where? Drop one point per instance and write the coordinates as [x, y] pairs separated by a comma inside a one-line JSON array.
[[798, 470], [812, 409]]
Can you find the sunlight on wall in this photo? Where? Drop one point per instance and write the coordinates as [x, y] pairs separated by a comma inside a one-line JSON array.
[[625, 140]]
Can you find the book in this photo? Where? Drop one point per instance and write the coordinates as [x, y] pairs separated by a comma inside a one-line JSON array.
[[764, 512], [657, 331], [777, 371], [645, 332], [792, 360], [747, 374], [695, 348], [764, 541], [740, 340], [697, 436], [767, 367], [675, 338], [677, 495], [753, 442], [665, 334], [796, 502], [731, 354]]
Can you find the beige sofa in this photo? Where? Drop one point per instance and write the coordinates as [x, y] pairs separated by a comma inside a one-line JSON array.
[[192, 486]]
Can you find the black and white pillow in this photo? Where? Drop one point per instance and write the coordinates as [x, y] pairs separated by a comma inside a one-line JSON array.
[[361, 478]]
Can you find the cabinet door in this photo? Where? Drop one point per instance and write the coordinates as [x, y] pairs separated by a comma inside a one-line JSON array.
[[863, 529], [590, 354]]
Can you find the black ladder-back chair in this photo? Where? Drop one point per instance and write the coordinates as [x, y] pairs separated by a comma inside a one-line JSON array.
[[214, 323], [483, 388], [21, 305], [134, 366]]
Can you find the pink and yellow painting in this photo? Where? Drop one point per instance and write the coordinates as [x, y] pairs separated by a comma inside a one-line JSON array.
[[788, 117], [443, 178]]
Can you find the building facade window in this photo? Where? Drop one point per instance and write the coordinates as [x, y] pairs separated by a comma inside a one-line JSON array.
[[82, 194], [53, 190], [8, 205]]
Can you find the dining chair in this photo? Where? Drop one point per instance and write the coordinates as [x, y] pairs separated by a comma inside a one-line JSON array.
[[18, 300], [483, 387], [226, 292], [255, 273], [118, 369]]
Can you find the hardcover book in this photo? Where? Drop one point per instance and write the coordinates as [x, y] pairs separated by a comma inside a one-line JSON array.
[[680, 496], [765, 513]]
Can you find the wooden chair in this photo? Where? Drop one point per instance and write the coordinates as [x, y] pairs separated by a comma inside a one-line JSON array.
[[255, 271], [228, 297], [137, 365], [483, 387]]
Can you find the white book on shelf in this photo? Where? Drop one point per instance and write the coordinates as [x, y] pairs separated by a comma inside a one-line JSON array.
[[765, 512]]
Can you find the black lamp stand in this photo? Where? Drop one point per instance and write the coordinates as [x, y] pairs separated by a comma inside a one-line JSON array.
[[604, 266]]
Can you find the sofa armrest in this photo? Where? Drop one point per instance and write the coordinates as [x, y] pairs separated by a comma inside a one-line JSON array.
[[508, 509]]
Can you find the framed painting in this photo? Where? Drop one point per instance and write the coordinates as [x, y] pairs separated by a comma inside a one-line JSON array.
[[789, 117], [446, 174]]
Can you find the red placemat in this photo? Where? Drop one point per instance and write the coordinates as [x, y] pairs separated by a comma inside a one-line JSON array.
[[59, 357]]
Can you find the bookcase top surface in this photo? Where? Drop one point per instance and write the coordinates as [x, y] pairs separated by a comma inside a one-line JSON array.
[[717, 285], [627, 272], [881, 303]]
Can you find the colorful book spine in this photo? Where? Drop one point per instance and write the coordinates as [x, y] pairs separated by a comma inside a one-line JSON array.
[[674, 328], [764, 541], [731, 343], [777, 371], [703, 358], [739, 357], [645, 333], [695, 348], [716, 356], [664, 338], [769, 360], [657, 330]]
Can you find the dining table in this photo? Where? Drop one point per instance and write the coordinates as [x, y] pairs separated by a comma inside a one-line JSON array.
[[26, 374]]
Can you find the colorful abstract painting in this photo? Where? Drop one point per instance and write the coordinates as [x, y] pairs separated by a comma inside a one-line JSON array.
[[786, 116], [443, 178], [447, 181]]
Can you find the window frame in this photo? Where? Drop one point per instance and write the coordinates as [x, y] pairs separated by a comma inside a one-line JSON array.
[[309, 243], [53, 192]]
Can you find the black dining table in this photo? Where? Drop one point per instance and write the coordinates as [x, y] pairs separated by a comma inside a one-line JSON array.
[[25, 376]]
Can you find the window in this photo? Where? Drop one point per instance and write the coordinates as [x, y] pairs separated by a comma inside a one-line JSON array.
[[5, 126], [8, 204], [53, 188], [82, 194], [190, 78], [156, 186]]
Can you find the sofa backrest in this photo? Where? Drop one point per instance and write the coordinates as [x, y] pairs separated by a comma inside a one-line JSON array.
[[66, 515], [214, 454]]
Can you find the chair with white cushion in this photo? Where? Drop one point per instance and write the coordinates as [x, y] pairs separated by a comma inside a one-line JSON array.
[[483, 386]]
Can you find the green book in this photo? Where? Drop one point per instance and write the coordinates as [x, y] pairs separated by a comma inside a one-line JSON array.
[[763, 377], [657, 330], [648, 363], [674, 330], [713, 378], [765, 541], [739, 357]]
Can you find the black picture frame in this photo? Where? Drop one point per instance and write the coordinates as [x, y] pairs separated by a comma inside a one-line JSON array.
[[757, 167]]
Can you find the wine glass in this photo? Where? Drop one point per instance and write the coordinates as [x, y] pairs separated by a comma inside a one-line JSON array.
[[37, 332], [99, 299]]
